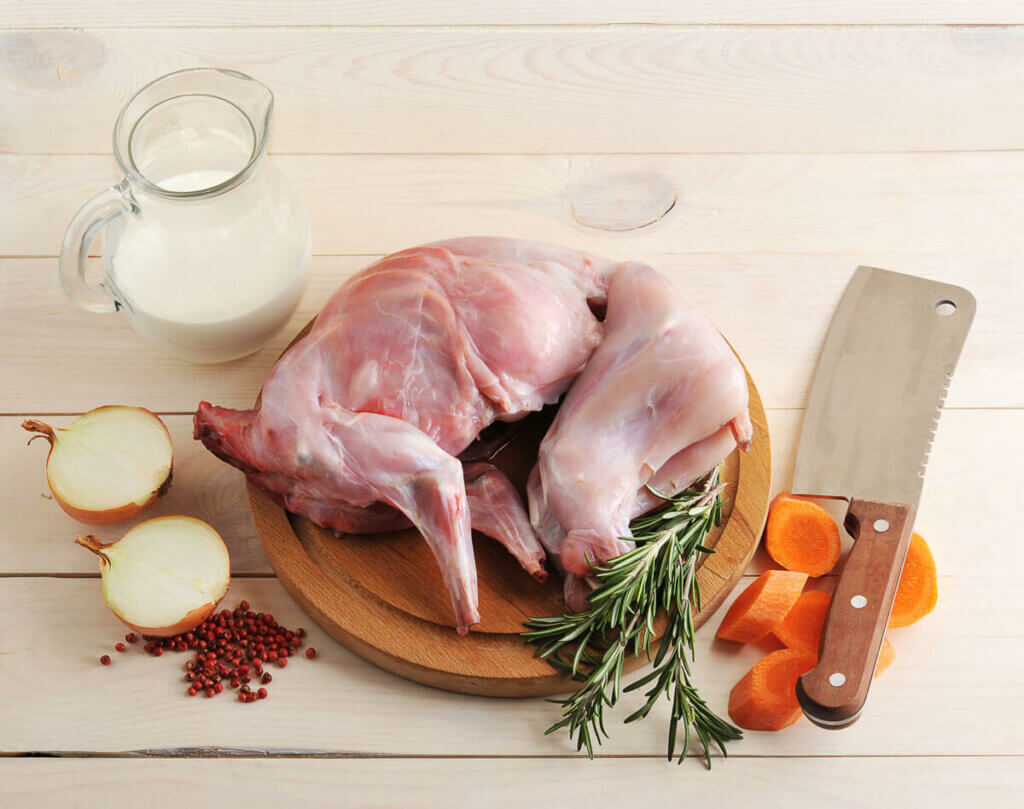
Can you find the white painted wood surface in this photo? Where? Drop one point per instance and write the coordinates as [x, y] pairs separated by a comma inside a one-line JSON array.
[[270, 13], [507, 783], [940, 202], [340, 704], [756, 151], [549, 89]]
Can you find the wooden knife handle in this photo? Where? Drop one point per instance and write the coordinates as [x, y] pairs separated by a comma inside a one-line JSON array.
[[833, 693]]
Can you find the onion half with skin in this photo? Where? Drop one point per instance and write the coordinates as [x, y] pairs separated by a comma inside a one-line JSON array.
[[107, 465], [165, 576]]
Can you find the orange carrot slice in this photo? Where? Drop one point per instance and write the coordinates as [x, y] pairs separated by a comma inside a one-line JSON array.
[[762, 606], [801, 535], [885, 657], [801, 628], [919, 587], [765, 699]]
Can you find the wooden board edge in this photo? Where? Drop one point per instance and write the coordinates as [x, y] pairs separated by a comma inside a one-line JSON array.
[[742, 535]]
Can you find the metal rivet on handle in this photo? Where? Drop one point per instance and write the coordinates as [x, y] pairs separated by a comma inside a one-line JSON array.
[[858, 602], [881, 526], [837, 679]]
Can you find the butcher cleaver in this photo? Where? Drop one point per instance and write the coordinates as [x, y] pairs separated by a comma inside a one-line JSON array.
[[873, 410]]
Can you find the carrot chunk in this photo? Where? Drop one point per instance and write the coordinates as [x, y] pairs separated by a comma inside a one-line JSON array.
[[765, 698], [801, 535], [919, 587], [801, 628], [762, 606], [885, 657]]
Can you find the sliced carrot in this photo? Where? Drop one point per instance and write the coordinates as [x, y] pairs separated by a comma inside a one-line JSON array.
[[801, 535], [765, 699], [919, 587], [762, 606], [801, 628], [885, 657]]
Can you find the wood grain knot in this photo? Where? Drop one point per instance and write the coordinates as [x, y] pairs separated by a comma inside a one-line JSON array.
[[50, 60], [622, 201]]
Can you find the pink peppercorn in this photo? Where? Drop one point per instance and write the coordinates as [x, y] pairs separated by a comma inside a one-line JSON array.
[[230, 647]]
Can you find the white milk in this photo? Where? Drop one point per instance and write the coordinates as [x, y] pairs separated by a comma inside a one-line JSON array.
[[211, 279], [195, 180]]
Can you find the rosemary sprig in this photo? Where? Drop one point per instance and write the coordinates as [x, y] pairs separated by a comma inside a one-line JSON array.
[[658, 576]]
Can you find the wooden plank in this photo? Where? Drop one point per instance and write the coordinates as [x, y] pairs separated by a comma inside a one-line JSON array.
[[774, 307], [959, 203], [910, 783], [545, 89], [36, 534], [230, 13], [56, 696]]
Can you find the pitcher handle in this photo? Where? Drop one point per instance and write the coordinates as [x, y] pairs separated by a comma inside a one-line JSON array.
[[86, 225]]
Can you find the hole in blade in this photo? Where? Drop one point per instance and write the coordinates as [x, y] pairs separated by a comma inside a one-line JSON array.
[[945, 308]]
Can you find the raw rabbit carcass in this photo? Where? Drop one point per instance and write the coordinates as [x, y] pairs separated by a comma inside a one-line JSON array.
[[662, 401], [361, 421]]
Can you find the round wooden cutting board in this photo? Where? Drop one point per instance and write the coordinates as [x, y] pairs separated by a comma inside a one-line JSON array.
[[381, 595]]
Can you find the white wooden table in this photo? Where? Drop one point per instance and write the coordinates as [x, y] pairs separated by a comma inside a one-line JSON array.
[[756, 150]]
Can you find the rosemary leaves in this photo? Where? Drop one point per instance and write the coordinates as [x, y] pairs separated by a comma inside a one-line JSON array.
[[657, 577]]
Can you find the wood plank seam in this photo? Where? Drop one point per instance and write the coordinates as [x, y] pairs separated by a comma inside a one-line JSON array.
[[286, 753], [575, 26]]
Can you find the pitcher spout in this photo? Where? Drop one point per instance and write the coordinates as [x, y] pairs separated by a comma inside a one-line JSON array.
[[215, 121]]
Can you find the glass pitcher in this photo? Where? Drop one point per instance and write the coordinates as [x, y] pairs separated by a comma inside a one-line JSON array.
[[205, 248]]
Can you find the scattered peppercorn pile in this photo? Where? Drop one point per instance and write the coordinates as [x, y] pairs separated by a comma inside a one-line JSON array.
[[232, 646]]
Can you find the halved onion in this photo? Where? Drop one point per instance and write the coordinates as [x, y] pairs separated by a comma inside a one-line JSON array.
[[165, 575], [107, 465]]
